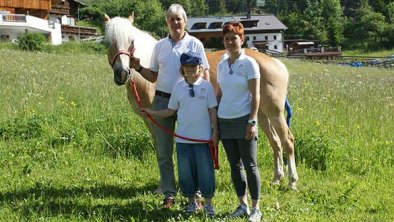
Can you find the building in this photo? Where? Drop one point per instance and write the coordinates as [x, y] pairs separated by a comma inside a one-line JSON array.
[[264, 32], [53, 18]]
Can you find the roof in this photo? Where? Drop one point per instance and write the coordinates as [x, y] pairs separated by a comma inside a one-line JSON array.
[[252, 22]]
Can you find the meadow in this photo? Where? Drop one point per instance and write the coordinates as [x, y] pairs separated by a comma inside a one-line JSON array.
[[72, 150]]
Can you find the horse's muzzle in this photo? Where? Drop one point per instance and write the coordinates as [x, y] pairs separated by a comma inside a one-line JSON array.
[[121, 76]]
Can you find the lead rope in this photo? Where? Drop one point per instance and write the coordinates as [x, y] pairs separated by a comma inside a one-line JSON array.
[[213, 150]]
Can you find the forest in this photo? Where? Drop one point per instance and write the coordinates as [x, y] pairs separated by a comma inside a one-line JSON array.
[[351, 24]]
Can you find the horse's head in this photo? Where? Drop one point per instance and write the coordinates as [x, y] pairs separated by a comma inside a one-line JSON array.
[[120, 40]]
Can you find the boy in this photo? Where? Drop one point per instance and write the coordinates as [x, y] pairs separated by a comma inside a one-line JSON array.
[[193, 100]]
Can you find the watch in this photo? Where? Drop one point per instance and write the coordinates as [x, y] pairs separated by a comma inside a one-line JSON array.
[[252, 122]]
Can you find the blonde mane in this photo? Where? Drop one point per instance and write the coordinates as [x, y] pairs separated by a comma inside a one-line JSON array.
[[121, 31]]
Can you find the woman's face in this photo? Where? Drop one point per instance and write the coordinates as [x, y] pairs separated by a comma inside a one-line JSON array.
[[232, 41]]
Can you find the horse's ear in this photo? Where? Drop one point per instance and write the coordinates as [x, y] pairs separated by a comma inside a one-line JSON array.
[[106, 18], [131, 17]]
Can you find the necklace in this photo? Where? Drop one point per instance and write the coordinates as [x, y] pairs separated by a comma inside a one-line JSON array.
[[230, 66]]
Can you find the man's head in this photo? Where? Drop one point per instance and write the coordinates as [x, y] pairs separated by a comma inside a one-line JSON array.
[[176, 20]]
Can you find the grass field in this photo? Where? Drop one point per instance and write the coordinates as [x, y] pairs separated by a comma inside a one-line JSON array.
[[72, 150]]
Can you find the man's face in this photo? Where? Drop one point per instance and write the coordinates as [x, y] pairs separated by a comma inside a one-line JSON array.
[[176, 24]]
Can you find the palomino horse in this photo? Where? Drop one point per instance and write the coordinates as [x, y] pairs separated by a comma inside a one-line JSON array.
[[126, 41]]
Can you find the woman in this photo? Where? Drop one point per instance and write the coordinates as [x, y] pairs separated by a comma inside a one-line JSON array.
[[239, 98]]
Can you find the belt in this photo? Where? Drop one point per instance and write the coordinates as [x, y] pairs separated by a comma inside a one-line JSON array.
[[162, 94]]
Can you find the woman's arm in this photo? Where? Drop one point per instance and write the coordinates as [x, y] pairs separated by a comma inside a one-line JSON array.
[[214, 123], [254, 87]]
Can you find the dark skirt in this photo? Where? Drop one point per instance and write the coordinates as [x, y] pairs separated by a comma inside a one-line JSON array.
[[233, 128]]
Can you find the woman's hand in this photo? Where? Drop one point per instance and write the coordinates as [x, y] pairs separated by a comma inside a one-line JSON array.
[[250, 132]]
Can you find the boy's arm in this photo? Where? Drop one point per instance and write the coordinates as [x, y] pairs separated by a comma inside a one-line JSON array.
[[214, 122], [160, 113]]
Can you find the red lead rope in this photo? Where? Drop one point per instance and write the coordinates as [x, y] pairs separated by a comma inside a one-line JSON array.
[[213, 150]]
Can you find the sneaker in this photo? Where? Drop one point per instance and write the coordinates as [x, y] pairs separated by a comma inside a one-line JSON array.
[[199, 200], [255, 215], [200, 204], [191, 208], [209, 211], [241, 211], [168, 202]]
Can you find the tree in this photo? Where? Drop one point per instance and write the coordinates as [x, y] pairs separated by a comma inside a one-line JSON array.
[[314, 22], [368, 26], [217, 7], [143, 10], [334, 21]]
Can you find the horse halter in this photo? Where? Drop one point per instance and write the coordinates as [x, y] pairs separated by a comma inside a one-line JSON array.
[[129, 53]]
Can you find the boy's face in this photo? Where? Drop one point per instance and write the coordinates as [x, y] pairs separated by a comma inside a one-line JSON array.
[[191, 71]]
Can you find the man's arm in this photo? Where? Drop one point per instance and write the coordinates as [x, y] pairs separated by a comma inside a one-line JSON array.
[[146, 73]]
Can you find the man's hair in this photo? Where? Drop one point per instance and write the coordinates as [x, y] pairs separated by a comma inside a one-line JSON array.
[[234, 27], [176, 9]]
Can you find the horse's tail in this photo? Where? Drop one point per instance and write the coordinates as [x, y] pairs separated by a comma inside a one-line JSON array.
[[289, 111]]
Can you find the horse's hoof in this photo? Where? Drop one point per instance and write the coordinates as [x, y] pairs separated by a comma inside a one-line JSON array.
[[275, 183], [293, 186], [277, 180]]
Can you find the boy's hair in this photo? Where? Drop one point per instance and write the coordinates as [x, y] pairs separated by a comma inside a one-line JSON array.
[[190, 58]]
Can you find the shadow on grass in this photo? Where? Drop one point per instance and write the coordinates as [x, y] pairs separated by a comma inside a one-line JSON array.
[[103, 202]]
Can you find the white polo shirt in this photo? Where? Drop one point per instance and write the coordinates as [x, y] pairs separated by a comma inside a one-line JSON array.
[[236, 97], [165, 60], [193, 115]]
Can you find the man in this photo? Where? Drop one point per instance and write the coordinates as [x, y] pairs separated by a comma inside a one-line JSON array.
[[164, 70]]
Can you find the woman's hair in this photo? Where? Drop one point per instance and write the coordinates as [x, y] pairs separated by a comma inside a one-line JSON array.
[[176, 9], [234, 27]]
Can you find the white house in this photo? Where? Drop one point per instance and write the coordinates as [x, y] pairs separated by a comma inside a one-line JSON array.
[[14, 25], [265, 32]]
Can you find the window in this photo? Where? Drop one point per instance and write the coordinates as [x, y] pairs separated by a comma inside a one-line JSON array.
[[275, 37], [266, 37], [250, 23], [215, 25], [247, 38], [254, 37], [275, 47], [199, 25]]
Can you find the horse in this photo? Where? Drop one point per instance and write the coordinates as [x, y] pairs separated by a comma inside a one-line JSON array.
[[126, 41]]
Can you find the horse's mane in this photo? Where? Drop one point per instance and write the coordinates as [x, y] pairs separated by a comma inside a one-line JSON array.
[[119, 32]]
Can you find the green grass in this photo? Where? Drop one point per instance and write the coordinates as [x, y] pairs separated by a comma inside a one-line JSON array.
[[72, 150], [381, 53]]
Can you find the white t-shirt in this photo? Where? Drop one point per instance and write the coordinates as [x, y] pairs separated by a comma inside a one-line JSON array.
[[193, 114], [166, 60], [236, 97]]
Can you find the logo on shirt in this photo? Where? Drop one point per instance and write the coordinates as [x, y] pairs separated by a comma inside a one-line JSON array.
[[202, 94]]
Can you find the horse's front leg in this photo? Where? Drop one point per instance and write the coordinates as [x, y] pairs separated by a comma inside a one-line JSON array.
[[276, 148]]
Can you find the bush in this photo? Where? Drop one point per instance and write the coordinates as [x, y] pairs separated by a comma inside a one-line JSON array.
[[31, 41]]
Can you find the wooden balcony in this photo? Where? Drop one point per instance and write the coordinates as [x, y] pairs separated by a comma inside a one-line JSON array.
[[84, 32], [60, 10], [27, 4]]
